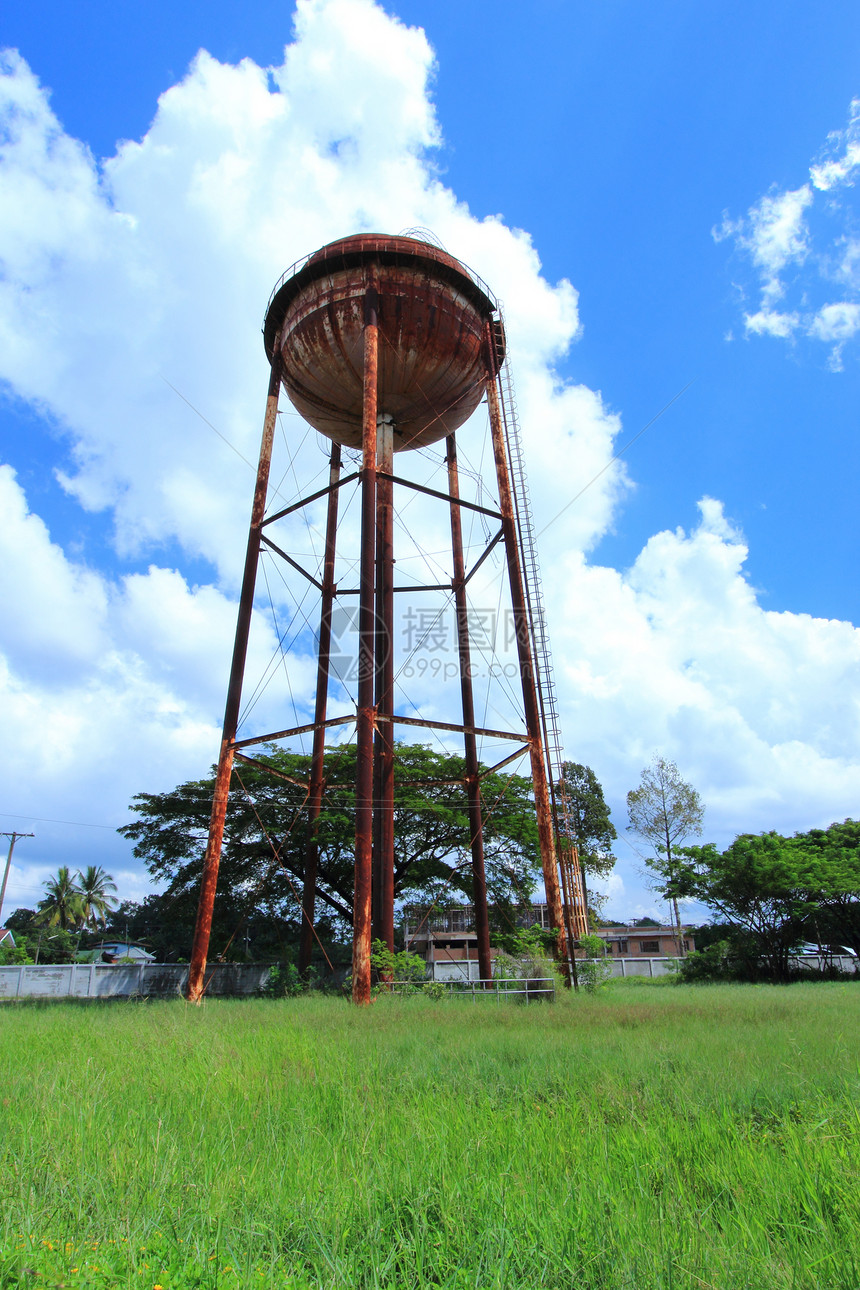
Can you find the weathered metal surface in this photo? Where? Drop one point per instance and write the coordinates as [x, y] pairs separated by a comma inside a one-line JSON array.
[[400, 720], [320, 708], [306, 501], [470, 744], [362, 900], [395, 330], [383, 838], [212, 859], [543, 807], [431, 324], [294, 730], [443, 497]]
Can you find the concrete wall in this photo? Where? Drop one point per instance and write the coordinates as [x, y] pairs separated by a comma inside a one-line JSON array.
[[648, 967], [122, 980], [664, 967], [455, 970]]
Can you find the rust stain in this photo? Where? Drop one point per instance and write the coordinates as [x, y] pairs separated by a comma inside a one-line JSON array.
[[432, 315]]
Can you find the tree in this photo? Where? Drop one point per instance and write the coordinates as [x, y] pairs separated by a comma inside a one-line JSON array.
[[593, 831], [836, 920], [664, 810], [766, 887], [263, 857], [37, 942], [62, 906], [95, 886]]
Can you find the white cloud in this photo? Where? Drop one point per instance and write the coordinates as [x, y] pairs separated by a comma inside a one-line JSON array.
[[758, 708], [769, 322], [777, 235], [836, 322], [166, 258], [839, 169], [108, 687], [155, 268]]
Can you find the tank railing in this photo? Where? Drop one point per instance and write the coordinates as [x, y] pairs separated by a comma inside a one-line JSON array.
[[546, 690], [391, 245]]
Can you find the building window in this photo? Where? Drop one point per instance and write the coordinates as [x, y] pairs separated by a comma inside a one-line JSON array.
[[649, 947], [622, 947]]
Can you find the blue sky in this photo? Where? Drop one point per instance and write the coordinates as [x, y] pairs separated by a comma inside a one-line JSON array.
[[657, 159]]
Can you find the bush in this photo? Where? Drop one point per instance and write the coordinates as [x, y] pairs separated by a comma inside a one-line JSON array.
[[531, 960], [14, 955], [284, 982], [403, 968], [596, 969]]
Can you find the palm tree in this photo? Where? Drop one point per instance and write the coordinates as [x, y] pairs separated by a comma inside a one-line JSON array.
[[95, 886], [63, 904]]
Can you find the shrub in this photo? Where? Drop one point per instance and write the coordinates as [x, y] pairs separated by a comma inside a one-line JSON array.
[[596, 969], [405, 969]]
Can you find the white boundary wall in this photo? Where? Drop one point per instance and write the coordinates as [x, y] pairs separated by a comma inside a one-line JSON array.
[[467, 970], [665, 967], [123, 980]]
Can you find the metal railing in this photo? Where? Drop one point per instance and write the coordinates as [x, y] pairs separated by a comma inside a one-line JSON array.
[[529, 990], [299, 264]]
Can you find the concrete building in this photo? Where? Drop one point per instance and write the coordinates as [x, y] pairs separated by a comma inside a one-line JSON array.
[[446, 940]]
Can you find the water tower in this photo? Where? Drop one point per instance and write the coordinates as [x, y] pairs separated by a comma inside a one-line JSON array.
[[386, 345]]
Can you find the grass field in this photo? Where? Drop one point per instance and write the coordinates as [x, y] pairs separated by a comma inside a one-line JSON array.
[[651, 1136]]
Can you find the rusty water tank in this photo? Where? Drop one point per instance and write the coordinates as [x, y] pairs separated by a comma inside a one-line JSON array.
[[432, 318]]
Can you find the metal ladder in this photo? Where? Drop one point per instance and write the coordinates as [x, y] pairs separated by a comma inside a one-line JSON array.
[[573, 890]]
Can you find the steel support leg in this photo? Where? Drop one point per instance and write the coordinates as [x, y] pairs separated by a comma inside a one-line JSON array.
[[476, 822], [383, 855], [361, 937], [543, 808], [209, 883], [318, 753]]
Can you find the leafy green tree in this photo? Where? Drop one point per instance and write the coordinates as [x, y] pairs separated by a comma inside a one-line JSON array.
[[593, 830], [21, 920], [766, 887], [38, 941], [95, 886], [665, 810], [15, 955], [263, 858], [836, 920], [62, 905]]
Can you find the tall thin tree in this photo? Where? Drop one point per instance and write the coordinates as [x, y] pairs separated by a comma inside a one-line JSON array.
[[664, 810], [62, 905], [96, 886]]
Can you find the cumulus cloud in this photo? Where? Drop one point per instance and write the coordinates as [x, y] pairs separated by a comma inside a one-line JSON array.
[[759, 708], [108, 686], [144, 279], [841, 154], [770, 322], [778, 236], [791, 255]]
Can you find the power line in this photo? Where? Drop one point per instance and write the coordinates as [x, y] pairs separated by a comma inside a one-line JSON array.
[[42, 819]]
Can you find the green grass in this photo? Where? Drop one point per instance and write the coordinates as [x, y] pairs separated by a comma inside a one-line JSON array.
[[683, 1138]]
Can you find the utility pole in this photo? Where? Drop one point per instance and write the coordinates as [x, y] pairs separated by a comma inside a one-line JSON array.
[[14, 837]]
